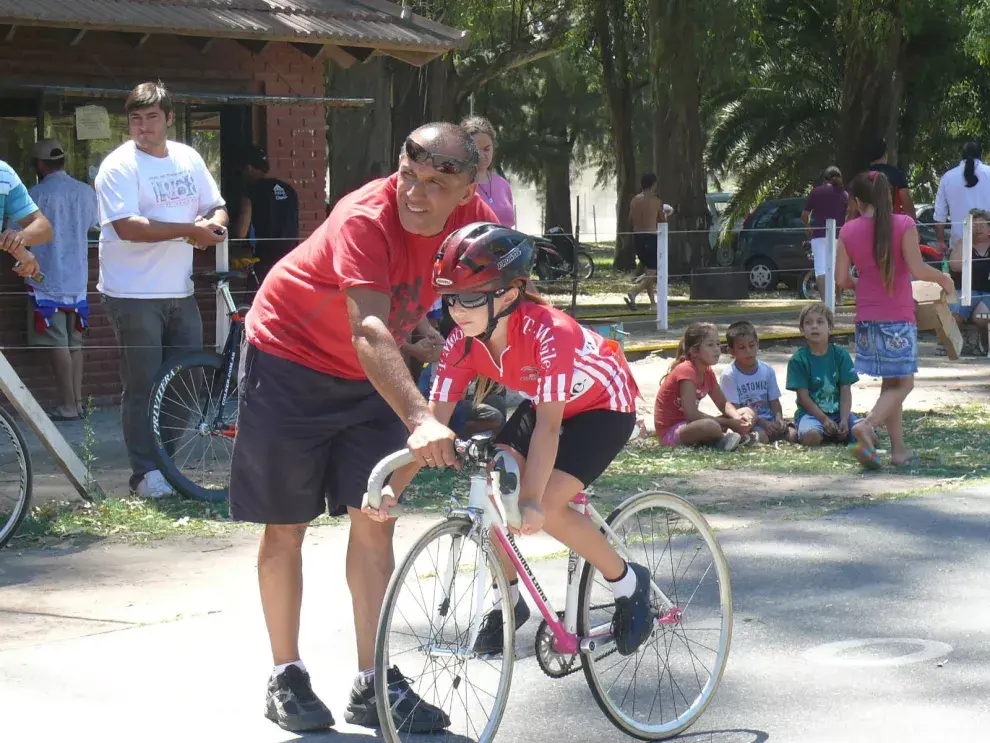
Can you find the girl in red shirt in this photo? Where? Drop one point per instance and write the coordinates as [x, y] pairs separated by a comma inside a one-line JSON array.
[[578, 414], [689, 381]]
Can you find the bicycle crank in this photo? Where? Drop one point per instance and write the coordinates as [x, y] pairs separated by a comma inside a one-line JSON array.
[[553, 664]]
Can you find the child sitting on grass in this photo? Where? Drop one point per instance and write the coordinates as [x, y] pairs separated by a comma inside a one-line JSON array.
[[822, 374], [750, 386], [689, 381]]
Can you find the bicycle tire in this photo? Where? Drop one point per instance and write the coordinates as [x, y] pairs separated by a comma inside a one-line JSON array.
[[626, 510], [453, 526], [586, 264], [213, 365], [11, 436]]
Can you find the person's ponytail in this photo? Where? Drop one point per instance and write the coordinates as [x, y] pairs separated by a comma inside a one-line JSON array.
[[883, 230], [971, 153]]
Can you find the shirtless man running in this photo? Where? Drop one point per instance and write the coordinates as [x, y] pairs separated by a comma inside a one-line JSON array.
[[645, 211]]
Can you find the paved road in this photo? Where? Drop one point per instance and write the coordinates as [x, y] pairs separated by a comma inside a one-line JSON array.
[[912, 569]]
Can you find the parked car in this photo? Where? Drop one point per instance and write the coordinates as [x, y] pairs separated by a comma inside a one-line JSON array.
[[772, 245]]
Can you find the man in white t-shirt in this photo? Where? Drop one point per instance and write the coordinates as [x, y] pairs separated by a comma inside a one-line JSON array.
[[157, 202]]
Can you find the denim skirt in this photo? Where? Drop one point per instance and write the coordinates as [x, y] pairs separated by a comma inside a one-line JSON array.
[[886, 349]]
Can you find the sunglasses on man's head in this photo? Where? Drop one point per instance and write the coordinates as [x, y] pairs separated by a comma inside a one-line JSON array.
[[473, 300], [442, 163]]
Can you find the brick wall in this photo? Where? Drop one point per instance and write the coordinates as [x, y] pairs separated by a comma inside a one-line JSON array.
[[295, 137]]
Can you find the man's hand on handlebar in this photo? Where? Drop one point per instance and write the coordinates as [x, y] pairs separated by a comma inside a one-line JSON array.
[[382, 513], [432, 443]]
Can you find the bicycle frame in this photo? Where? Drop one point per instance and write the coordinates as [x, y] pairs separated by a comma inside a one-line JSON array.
[[488, 520]]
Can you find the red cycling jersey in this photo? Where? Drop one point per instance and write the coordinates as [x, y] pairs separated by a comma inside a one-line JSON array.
[[549, 358]]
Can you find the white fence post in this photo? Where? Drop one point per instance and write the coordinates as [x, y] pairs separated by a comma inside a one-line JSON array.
[[663, 250], [829, 298], [223, 322], [966, 294]]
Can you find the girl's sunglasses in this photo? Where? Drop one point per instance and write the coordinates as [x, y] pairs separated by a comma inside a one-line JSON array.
[[473, 300], [442, 163]]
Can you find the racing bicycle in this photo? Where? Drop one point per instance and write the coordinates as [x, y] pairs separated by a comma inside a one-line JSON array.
[[439, 593]]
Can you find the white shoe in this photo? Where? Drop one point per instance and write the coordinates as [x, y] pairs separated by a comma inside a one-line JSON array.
[[154, 486]]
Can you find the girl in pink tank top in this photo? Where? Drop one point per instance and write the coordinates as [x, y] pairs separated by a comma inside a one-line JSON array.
[[883, 247]]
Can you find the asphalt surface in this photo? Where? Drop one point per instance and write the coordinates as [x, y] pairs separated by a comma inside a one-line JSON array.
[[907, 577]]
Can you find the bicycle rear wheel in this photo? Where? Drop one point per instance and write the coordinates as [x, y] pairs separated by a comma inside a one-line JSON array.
[[665, 686], [193, 417], [15, 477], [439, 592]]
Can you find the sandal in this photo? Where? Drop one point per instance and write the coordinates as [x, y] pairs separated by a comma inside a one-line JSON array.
[[912, 462], [57, 417], [865, 454]]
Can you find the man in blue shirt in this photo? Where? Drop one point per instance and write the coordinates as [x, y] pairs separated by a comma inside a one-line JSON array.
[[16, 207], [58, 310]]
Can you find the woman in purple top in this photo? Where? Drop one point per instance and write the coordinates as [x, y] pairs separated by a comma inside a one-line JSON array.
[[884, 248], [492, 187]]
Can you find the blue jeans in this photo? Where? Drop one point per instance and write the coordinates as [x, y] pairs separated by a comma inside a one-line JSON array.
[[967, 312]]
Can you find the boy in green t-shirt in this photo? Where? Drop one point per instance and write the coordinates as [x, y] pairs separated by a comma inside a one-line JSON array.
[[822, 374]]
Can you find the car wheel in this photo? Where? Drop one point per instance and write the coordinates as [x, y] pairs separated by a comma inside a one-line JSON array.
[[762, 275], [724, 255], [809, 287]]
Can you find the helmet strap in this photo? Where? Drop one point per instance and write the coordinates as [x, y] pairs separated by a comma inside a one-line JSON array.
[[493, 318]]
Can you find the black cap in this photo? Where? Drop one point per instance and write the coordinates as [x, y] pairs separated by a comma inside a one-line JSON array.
[[255, 157]]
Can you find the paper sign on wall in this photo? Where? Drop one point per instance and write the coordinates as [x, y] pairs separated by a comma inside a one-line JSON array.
[[92, 122]]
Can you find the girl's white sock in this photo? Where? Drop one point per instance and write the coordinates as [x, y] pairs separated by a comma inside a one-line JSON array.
[[624, 586]]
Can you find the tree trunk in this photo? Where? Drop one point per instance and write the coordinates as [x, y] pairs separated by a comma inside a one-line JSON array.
[[609, 24], [680, 141], [557, 194], [870, 89]]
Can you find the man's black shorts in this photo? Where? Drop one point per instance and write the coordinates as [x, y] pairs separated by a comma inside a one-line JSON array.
[[588, 442], [306, 441], [645, 244]]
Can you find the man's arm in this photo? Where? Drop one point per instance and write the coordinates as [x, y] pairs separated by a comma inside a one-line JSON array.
[[35, 230], [907, 203], [144, 230], [217, 216], [243, 225], [379, 356]]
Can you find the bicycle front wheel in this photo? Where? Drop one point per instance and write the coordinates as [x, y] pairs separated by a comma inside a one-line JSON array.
[[432, 612], [193, 417], [585, 265], [15, 477], [664, 687]]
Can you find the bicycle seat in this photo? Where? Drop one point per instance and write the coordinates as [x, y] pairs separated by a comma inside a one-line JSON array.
[[215, 277]]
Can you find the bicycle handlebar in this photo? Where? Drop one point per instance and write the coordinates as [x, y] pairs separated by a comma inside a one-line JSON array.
[[477, 450]]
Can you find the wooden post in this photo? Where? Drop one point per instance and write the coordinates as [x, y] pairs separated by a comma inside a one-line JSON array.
[[574, 262], [663, 279], [222, 321], [56, 445], [829, 298]]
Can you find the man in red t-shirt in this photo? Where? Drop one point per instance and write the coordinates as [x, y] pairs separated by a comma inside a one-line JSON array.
[[325, 394]]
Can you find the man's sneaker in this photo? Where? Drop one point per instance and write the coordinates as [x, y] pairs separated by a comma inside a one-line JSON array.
[[292, 705], [154, 485], [633, 621], [410, 713], [490, 635]]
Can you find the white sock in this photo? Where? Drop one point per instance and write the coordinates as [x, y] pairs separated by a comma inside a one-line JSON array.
[[623, 587], [366, 676], [282, 666], [513, 592]]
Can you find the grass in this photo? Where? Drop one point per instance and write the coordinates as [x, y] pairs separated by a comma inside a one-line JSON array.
[[953, 443]]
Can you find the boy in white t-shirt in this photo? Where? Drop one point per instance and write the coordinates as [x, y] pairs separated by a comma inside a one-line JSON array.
[[157, 201], [750, 385]]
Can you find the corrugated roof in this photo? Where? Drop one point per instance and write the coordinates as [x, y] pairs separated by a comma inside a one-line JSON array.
[[363, 23]]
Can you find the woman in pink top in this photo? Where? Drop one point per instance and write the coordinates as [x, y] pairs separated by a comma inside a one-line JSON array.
[[884, 248], [492, 187]]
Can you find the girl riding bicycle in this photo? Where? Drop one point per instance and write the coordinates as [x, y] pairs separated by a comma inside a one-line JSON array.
[[578, 414]]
